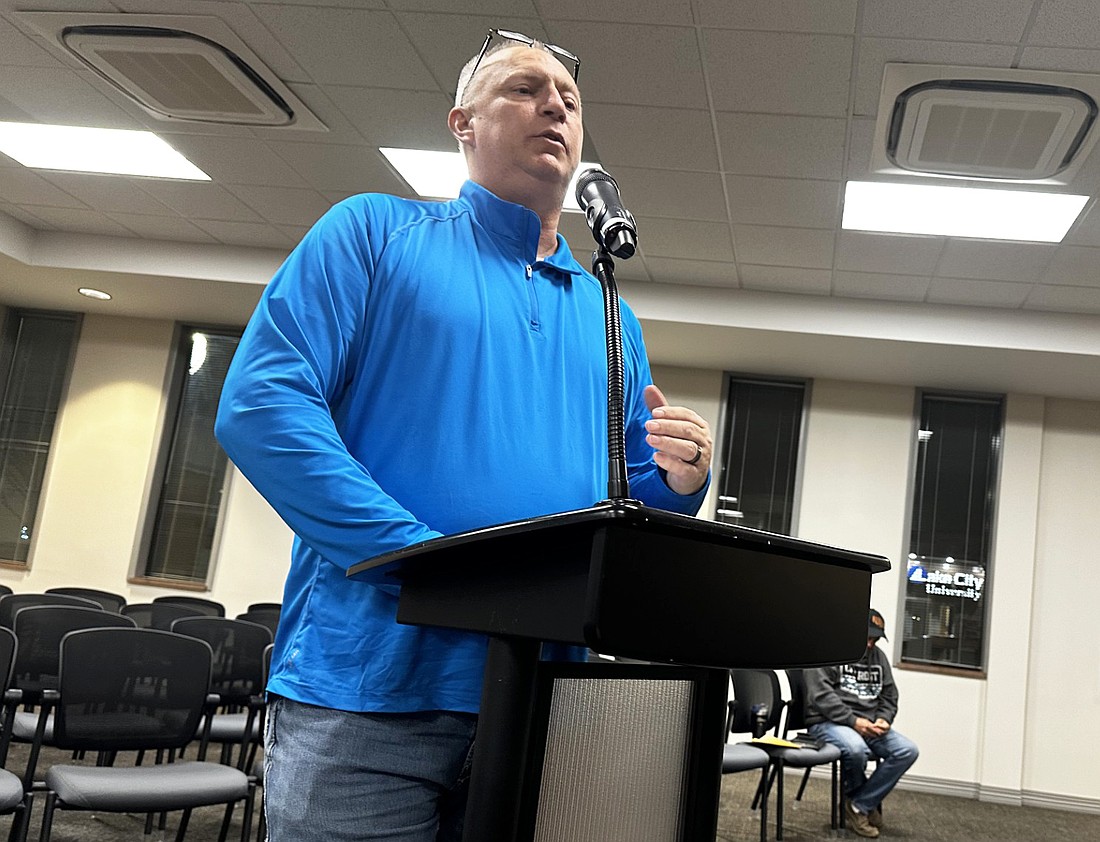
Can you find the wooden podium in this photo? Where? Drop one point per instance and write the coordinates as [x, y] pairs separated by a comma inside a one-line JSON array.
[[630, 581]]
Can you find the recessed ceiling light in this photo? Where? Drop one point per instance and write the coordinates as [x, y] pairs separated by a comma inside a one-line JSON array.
[[440, 175], [97, 294], [85, 149], [960, 211]]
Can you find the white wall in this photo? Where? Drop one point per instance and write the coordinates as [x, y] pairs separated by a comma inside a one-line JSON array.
[[1026, 733], [96, 491]]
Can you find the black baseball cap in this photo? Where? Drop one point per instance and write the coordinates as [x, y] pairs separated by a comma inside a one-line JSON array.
[[876, 625]]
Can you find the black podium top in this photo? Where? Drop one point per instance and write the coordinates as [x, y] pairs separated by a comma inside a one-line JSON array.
[[625, 579]]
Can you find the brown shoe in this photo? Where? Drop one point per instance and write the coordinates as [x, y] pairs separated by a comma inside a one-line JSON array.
[[875, 817], [859, 822]]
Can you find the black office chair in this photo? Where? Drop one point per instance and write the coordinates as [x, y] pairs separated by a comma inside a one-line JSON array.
[[158, 615], [143, 690], [268, 617], [796, 722], [761, 707], [14, 799], [206, 607], [12, 602], [108, 601], [742, 757]]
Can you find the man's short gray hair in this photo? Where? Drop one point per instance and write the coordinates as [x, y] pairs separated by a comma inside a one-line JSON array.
[[467, 71]]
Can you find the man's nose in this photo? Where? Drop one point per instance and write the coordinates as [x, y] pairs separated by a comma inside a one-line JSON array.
[[554, 104]]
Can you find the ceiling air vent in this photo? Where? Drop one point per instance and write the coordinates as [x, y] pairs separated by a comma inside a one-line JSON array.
[[178, 75], [985, 123], [988, 129], [180, 68]]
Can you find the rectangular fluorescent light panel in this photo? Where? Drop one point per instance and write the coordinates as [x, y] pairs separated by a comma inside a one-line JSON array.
[[440, 175], [960, 211], [84, 149]]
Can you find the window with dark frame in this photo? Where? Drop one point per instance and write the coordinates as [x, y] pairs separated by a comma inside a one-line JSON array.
[[951, 531], [36, 354], [192, 464], [762, 434]]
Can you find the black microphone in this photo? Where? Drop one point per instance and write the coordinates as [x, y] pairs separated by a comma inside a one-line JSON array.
[[612, 225]]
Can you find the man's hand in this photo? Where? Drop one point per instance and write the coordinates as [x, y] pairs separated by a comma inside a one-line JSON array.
[[869, 730], [682, 440], [882, 724]]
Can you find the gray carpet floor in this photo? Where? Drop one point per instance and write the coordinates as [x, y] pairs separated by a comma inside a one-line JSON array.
[[913, 816]]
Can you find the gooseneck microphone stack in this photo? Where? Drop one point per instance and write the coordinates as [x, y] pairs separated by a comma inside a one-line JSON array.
[[616, 233]]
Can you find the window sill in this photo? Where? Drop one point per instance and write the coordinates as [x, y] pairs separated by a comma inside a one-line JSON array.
[[174, 584], [936, 669]]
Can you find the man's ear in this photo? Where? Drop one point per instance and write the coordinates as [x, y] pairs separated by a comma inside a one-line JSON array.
[[459, 122]]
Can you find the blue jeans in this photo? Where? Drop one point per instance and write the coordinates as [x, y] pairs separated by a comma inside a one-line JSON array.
[[897, 753], [334, 776]]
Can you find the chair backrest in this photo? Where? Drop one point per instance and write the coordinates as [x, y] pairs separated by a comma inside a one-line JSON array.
[[39, 630], [266, 606], [4, 589], [238, 647], [206, 607], [108, 601], [796, 707], [12, 602], [268, 617], [158, 615], [130, 689], [751, 690]]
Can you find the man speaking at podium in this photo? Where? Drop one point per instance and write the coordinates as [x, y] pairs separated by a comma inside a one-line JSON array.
[[416, 369]]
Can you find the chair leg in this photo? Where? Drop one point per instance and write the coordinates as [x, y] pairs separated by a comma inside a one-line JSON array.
[[779, 800], [836, 813], [21, 821], [47, 817], [181, 831], [226, 820], [763, 806], [802, 785], [246, 818]]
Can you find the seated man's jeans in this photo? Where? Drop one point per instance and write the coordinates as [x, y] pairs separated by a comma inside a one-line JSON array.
[[896, 752], [334, 776]]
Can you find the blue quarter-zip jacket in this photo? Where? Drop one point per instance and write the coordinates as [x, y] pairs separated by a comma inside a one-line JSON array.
[[413, 370]]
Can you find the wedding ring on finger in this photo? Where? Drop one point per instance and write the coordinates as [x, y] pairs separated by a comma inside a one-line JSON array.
[[695, 458]]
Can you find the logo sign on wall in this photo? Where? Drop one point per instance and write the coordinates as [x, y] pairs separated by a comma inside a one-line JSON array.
[[939, 580]]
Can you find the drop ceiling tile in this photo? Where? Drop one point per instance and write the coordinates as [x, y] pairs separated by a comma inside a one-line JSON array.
[[808, 248], [200, 200], [284, 205], [861, 144], [11, 113], [968, 292], [19, 48], [783, 201], [359, 169], [108, 192], [1074, 266], [666, 193], [783, 146], [778, 72], [484, 7], [575, 229], [668, 270], [402, 119], [1057, 58], [662, 138], [23, 186], [338, 129], [836, 16], [880, 285], [445, 42], [162, 228], [997, 261], [369, 4], [1086, 231], [1066, 23], [62, 96], [22, 215], [671, 75], [874, 53], [1064, 299], [83, 221], [614, 11], [347, 46], [231, 160], [1003, 21], [786, 279], [690, 240], [895, 254], [256, 234]]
